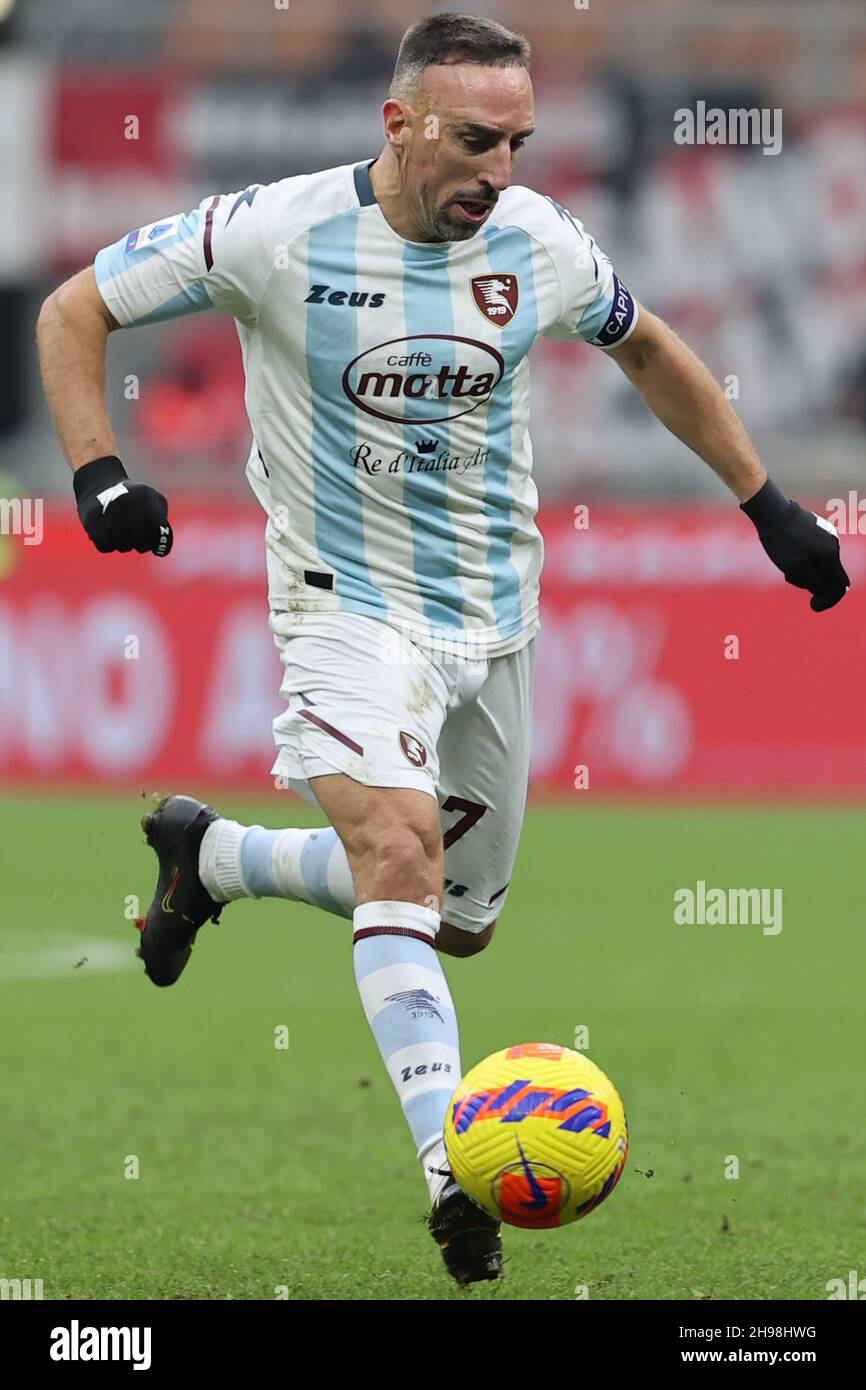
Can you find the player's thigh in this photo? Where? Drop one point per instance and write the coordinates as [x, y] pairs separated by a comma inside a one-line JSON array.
[[355, 704], [379, 821], [484, 753]]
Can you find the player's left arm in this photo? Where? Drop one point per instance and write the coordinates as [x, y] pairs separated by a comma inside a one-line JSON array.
[[682, 393]]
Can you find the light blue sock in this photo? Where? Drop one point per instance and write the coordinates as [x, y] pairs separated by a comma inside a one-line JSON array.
[[247, 861], [409, 1008]]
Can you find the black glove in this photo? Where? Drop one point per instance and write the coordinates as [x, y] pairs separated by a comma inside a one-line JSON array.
[[805, 547], [118, 514]]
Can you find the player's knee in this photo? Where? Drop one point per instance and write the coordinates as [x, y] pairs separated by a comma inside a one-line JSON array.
[[399, 828], [455, 941], [397, 861], [402, 848]]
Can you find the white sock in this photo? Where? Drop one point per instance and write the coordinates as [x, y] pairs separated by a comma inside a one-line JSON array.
[[434, 1162]]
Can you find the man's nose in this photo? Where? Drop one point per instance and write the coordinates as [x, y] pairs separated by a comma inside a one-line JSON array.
[[497, 167]]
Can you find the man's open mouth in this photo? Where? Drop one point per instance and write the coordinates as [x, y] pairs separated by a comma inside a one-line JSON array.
[[472, 209]]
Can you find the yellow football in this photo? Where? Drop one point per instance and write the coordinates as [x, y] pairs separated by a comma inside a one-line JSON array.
[[537, 1135]]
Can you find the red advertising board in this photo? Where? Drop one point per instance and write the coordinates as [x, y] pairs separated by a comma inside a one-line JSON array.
[[677, 658], [672, 659]]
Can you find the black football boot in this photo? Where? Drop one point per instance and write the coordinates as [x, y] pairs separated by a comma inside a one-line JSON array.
[[181, 903], [468, 1238]]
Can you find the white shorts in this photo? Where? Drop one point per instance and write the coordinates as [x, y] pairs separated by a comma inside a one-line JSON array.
[[364, 701]]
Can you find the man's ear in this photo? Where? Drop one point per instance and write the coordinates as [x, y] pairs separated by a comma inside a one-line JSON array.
[[396, 120]]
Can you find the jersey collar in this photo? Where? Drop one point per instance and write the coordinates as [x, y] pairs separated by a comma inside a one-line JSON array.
[[367, 198], [363, 184]]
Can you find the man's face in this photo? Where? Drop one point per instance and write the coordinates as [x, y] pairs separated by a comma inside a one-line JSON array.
[[461, 140]]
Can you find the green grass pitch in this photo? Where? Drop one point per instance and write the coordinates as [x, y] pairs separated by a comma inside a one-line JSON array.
[[262, 1168]]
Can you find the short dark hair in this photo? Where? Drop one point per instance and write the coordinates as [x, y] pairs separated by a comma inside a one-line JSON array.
[[455, 38]]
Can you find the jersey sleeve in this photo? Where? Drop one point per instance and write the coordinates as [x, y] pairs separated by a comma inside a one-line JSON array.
[[595, 305], [216, 256]]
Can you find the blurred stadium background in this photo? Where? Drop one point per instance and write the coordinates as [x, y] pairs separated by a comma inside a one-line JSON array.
[[759, 261]]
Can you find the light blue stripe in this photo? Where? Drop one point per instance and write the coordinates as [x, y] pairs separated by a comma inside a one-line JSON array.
[[594, 318], [510, 252], [189, 301], [110, 261], [256, 867], [114, 260], [331, 342], [393, 1026], [375, 952], [425, 1114], [258, 872], [315, 857], [427, 306]]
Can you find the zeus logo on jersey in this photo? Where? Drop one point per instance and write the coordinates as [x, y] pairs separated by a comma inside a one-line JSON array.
[[152, 232], [619, 319], [356, 299]]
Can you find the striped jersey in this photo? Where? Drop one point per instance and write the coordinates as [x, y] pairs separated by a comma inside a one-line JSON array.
[[387, 387]]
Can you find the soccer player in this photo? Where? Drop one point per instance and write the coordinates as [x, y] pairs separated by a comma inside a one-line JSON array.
[[385, 312]]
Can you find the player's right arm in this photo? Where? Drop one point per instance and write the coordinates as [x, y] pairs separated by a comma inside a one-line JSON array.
[[71, 332], [215, 256]]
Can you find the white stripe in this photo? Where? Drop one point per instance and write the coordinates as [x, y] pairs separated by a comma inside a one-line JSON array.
[[467, 489], [525, 551], [109, 494], [388, 544], [278, 430], [424, 1054]]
